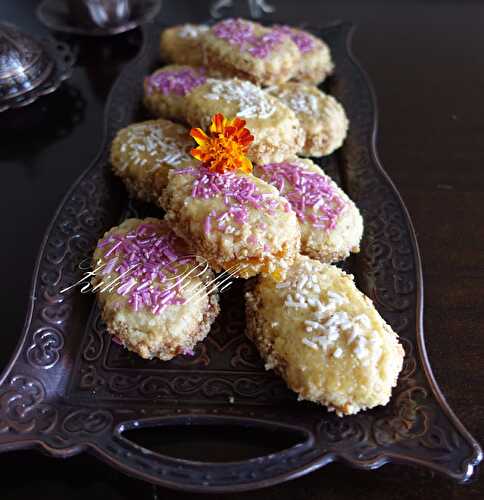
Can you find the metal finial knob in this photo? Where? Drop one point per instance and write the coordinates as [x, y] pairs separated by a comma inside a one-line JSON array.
[[29, 68]]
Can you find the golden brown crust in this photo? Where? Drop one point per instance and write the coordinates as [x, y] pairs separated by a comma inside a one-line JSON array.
[[324, 337], [176, 328], [321, 116], [326, 245], [233, 60], [143, 153], [170, 106], [277, 131], [266, 242], [182, 44], [315, 65]]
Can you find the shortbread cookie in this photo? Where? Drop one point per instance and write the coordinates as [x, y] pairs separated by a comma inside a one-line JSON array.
[[315, 62], [236, 221], [244, 49], [331, 224], [277, 132], [322, 117], [324, 337], [143, 153], [154, 296], [167, 89], [181, 44]]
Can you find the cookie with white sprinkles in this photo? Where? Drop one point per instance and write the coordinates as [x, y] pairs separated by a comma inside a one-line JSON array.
[[324, 337], [277, 132], [322, 117], [154, 296], [331, 224], [167, 89], [143, 153], [182, 44]]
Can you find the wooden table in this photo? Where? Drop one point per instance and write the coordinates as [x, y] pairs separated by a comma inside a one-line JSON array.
[[426, 64]]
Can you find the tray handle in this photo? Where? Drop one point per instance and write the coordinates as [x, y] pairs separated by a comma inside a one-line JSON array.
[[190, 475]]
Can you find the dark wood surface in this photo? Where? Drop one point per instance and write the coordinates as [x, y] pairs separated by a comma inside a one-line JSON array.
[[425, 60]]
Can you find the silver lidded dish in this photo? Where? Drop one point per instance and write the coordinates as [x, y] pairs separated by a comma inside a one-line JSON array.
[[29, 68]]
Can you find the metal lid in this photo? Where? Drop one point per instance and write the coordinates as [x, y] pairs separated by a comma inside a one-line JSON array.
[[29, 68], [24, 63]]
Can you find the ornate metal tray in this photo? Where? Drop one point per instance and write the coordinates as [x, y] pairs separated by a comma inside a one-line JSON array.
[[70, 389]]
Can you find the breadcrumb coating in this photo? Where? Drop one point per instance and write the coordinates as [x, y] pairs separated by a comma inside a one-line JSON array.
[[177, 327], [321, 116], [241, 238], [143, 153], [324, 337]]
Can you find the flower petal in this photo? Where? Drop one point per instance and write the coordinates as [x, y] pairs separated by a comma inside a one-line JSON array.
[[199, 135]]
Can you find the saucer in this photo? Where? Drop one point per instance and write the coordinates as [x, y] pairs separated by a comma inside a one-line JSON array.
[[55, 15]]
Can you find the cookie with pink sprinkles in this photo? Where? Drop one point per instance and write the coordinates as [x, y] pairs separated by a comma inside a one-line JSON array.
[[167, 89], [248, 50], [238, 222], [331, 224], [143, 153], [315, 62], [155, 296], [181, 44]]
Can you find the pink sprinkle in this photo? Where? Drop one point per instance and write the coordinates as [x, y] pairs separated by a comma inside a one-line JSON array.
[[179, 82], [113, 249], [110, 266], [239, 194], [262, 46], [240, 32], [304, 41], [142, 258], [207, 225], [252, 240], [234, 31], [306, 190]]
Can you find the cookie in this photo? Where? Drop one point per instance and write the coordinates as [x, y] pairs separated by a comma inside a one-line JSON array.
[[276, 129], [315, 62], [167, 89], [247, 50], [236, 221], [181, 44], [322, 117], [324, 337], [154, 296], [143, 153], [331, 224]]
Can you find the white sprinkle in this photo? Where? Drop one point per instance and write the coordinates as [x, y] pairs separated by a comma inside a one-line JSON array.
[[290, 302], [310, 344], [192, 30], [364, 320], [283, 284], [301, 102], [314, 325], [338, 352], [252, 102], [337, 298]]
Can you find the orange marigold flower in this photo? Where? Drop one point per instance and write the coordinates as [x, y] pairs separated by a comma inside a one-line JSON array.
[[223, 150]]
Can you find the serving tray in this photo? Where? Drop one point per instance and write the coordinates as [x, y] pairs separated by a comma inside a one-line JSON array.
[[69, 388]]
